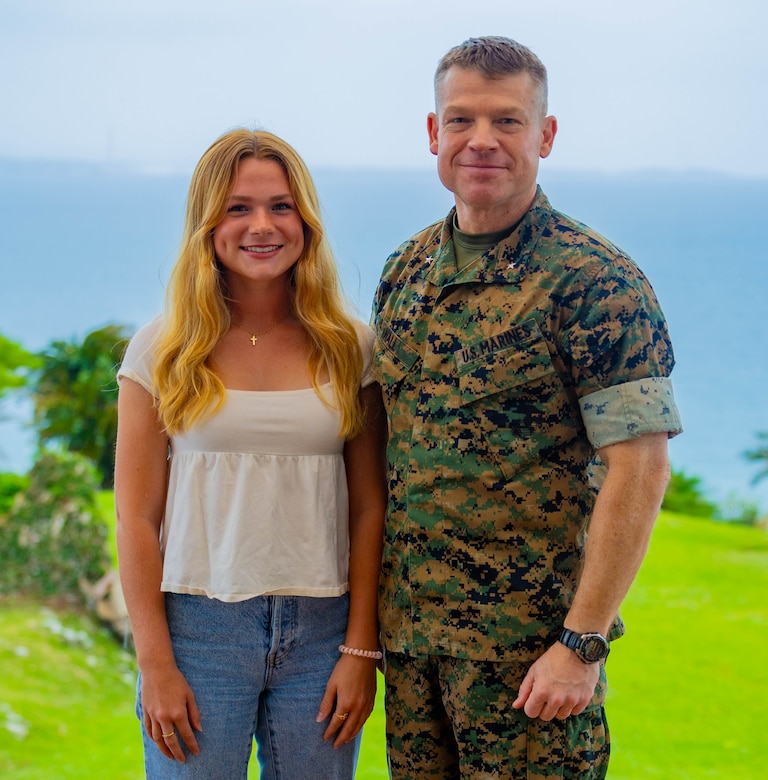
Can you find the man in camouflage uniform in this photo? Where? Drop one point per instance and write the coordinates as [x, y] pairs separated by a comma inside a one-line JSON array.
[[513, 345]]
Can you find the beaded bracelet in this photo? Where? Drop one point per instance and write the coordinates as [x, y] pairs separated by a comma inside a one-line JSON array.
[[375, 654]]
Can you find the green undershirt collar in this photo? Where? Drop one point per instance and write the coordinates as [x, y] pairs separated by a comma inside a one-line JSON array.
[[469, 246]]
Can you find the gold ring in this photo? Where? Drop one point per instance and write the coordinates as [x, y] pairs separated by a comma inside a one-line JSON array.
[[165, 736], [342, 715]]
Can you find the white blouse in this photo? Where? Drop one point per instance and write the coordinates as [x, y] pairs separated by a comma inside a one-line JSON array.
[[257, 496]]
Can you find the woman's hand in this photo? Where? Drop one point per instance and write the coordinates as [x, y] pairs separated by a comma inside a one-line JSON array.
[[170, 713], [349, 698]]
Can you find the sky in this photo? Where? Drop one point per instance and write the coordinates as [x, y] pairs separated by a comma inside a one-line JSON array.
[[672, 85]]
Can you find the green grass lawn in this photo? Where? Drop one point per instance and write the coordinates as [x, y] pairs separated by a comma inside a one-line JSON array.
[[106, 504], [688, 683], [65, 698]]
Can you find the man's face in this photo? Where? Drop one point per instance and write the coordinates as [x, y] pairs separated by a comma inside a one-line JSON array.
[[488, 135]]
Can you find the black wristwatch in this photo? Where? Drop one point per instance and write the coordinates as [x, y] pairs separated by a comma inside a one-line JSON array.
[[590, 648]]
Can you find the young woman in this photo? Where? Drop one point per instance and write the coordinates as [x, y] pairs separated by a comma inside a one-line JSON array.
[[250, 486]]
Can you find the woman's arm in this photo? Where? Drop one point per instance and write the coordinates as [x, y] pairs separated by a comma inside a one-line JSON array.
[[141, 479], [352, 687]]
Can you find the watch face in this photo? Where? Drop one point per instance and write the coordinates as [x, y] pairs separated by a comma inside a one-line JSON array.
[[593, 648]]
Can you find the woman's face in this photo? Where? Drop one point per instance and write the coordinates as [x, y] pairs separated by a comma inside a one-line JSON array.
[[261, 235]]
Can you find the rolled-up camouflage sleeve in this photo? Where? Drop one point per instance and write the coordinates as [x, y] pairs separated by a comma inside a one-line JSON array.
[[629, 410], [621, 356]]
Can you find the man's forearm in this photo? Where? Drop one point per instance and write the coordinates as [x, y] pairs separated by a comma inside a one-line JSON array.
[[620, 529]]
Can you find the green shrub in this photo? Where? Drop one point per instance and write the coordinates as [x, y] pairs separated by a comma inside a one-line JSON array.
[[10, 485], [736, 510], [685, 496], [54, 534]]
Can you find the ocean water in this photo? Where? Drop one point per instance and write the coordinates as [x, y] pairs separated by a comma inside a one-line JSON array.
[[81, 246]]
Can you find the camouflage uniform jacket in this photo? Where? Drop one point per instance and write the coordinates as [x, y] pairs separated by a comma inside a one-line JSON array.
[[500, 382]]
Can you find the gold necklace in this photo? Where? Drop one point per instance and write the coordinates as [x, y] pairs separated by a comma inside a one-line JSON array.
[[255, 336]]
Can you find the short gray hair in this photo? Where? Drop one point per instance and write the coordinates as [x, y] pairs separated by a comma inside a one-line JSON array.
[[494, 56]]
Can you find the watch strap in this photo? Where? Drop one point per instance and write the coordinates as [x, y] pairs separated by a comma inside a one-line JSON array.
[[570, 639], [580, 642]]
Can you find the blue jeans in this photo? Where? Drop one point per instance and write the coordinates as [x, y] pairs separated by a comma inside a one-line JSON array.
[[258, 668]]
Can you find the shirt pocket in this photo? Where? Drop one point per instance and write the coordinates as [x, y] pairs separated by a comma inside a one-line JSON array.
[[512, 397], [502, 362], [393, 361]]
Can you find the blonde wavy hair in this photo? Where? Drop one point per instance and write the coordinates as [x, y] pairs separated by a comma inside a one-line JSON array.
[[185, 382]]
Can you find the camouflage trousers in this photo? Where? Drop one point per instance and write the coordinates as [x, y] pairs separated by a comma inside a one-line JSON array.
[[452, 719]]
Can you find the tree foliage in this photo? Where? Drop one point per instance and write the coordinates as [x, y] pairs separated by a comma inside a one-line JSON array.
[[53, 535], [75, 397], [760, 455], [685, 495], [10, 486], [15, 365]]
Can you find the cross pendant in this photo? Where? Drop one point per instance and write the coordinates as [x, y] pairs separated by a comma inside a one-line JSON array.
[[253, 340]]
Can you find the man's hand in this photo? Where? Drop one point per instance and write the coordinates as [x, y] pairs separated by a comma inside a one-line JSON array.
[[557, 685]]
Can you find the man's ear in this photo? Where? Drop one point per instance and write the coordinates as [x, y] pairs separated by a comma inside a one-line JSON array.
[[432, 128], [548, 133]]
